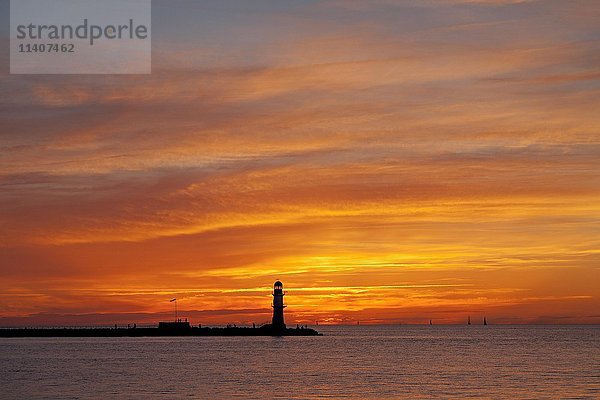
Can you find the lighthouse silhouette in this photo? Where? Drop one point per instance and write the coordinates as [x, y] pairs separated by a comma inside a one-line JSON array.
[[278, 306]]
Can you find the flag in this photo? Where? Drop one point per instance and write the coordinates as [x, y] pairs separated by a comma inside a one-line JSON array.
[[172, 300]]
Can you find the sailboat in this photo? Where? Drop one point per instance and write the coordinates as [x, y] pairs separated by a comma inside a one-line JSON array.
[[469, 320], [484, 321], [430, 322]]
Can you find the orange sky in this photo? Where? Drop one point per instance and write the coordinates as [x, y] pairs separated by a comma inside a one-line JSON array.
[[389, 161]]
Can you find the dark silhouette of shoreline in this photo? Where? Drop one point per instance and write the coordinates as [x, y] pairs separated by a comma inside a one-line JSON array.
[[179, 327], [182, 330]]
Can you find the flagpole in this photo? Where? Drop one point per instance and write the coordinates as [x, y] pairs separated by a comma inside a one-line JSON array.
[[175, 301]]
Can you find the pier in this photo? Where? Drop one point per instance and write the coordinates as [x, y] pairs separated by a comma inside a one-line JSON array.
[[178, 327]]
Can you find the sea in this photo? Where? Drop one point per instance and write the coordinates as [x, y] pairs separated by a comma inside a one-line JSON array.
[[347, 362]]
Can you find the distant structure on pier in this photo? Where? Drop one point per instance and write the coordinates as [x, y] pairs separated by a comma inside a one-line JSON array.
[[178, 325], [278, 306]]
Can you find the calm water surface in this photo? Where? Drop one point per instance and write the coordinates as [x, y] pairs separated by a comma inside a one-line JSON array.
[[362, 362]]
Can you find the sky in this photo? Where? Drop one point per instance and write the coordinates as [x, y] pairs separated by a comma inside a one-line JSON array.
[[389, 161]]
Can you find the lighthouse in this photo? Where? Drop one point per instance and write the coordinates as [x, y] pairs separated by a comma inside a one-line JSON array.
[[278, 306]]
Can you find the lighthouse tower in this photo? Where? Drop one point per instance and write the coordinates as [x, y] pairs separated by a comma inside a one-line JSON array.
[[278, 306]]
